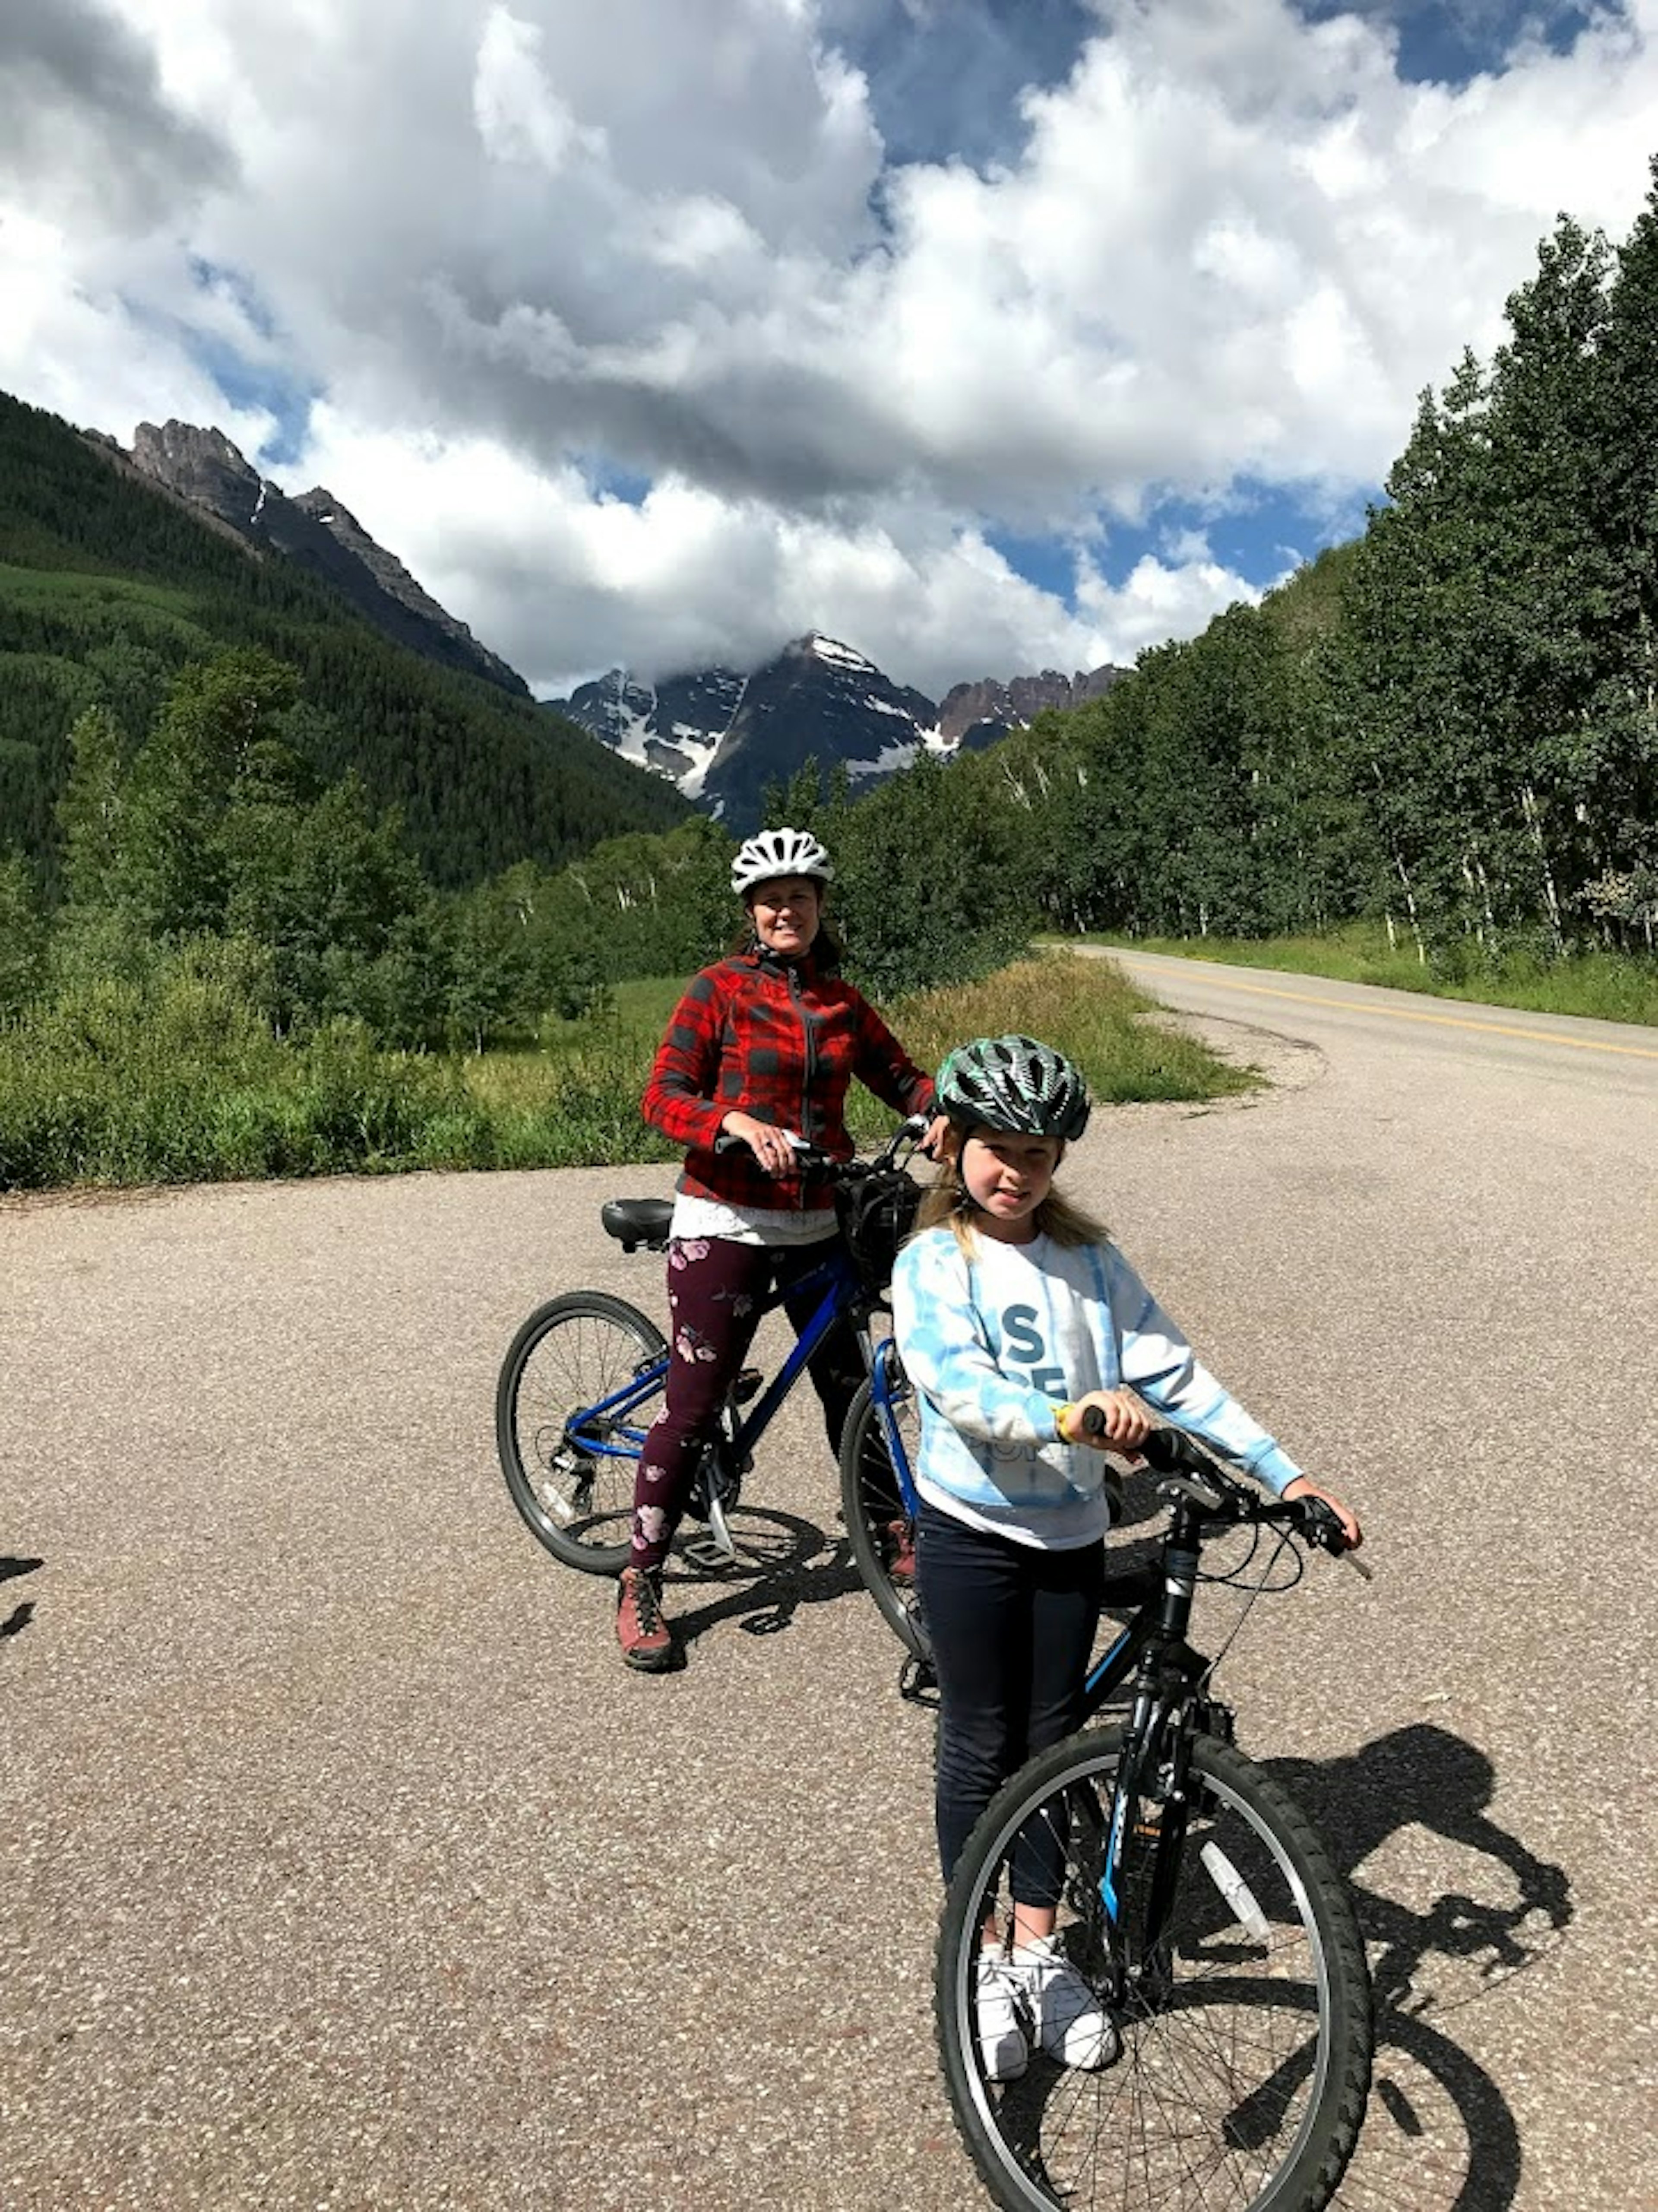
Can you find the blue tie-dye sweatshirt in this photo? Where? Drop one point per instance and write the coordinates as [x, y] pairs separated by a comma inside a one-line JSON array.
[[997, 1344]]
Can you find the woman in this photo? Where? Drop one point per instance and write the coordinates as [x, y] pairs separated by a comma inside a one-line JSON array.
[[764, 1042]]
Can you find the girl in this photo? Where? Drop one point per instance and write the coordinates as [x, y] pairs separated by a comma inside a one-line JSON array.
[[763, 1042], [1013, 1314]]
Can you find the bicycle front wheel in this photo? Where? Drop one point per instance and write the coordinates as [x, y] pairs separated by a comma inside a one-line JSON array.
[[582, 1382], [871, 1504], [1245, 2050]]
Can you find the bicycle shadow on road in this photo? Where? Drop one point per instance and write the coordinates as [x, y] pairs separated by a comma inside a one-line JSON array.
[[1439, 2132], [20, 1615], [782, 1563]]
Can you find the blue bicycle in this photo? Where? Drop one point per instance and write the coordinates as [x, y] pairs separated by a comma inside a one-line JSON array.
[[583, 1379]]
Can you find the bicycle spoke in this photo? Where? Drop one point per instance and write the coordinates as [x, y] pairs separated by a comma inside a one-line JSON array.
[[1241, 2058]]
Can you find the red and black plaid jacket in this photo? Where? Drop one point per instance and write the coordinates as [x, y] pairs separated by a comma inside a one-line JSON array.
[[781, 1039]]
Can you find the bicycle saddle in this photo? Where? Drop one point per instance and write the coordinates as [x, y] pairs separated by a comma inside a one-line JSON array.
[[636, 1221]]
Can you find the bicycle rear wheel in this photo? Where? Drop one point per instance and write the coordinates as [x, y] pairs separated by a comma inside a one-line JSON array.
[[873, 1506], [1245, 2059], [581, 1351]]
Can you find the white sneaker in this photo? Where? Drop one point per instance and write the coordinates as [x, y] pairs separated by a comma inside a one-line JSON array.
[[1002, 2051], [1070, 2023]]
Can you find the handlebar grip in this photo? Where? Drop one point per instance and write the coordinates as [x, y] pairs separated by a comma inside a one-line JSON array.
[[1093, 1421], [1166, 1451], [805, 1155]]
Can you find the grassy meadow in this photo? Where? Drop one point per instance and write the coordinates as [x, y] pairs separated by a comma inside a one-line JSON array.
[[121, 1085]]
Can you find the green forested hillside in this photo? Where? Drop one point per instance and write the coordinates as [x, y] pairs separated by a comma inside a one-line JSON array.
[[108, 588]]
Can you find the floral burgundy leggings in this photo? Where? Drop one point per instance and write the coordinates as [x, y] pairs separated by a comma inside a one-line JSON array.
[[715, 1291]]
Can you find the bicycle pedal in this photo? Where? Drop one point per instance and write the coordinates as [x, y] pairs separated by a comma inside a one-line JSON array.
[[748, 1381], [705, 1550]]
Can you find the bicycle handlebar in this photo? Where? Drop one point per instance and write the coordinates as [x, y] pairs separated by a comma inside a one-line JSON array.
[[811, 1160], [1191, 1472]]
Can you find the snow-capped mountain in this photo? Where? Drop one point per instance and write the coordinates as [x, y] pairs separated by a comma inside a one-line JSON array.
[[722, 738], [675, 727]]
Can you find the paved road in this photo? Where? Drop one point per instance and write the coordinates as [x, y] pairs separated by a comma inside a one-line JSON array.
[[341, 1864]]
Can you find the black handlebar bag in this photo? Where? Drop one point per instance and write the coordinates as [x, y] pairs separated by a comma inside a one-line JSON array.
[[877, 1212]]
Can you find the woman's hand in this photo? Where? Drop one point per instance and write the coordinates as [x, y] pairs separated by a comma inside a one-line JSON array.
[[770, 1146], [1125, 1425], [1301, 1487], [932, 1144]]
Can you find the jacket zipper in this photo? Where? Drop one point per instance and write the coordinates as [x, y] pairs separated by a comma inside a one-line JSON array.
[[805, 1083]]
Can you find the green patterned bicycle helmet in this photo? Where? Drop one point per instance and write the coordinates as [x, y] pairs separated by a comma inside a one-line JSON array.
[[1016, 1084]]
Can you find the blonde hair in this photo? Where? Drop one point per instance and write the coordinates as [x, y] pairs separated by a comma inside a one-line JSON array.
[[945, 1203]]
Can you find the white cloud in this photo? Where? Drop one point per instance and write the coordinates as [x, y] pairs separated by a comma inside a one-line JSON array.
[[1159, 600], [520, 245], [686, 578]]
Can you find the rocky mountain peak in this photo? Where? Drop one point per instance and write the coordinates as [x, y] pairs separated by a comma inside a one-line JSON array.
[[722, 738], [201, 466], [321, 534], [1009, 704]]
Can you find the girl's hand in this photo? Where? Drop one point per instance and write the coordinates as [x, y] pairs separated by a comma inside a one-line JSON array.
[[1126, 1426], [1301, 1487], [770, 1146], [931, 1145]]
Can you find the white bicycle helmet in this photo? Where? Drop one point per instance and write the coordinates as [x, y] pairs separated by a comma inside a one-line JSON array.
[[778, 853]]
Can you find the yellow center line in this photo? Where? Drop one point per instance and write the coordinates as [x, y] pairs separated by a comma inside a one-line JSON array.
[[1409, 1014]]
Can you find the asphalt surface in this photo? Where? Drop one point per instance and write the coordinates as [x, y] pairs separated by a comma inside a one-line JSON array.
[[343, 1865]]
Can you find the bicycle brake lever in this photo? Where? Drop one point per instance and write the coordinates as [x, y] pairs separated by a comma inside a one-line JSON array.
[[1322, 1526]]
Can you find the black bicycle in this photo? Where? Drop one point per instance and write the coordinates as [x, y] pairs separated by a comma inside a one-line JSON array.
[[1195, 1899], [583, 1378]]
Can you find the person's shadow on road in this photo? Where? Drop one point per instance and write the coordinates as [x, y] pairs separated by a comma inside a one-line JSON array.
[[1439, 2130], [20, 1615]]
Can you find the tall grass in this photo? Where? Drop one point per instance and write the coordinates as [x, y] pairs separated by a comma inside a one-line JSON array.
[[1601, 986], [1086, 1008], [178, 1078]]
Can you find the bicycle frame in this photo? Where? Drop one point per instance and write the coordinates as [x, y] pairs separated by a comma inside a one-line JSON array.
[[1156, 1757], [884, 1371], [594, 1427]]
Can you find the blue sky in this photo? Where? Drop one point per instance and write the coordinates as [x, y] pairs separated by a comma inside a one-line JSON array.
[[987, 334], [947, 83]]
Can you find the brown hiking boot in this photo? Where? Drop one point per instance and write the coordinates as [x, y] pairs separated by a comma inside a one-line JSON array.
[[640, 1628], [901, 1552]]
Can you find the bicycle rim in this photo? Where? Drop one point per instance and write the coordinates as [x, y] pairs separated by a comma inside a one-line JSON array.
[[1244, 2062], [575, 1352]]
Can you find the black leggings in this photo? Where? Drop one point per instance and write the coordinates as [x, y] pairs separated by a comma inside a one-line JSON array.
[[1012, 1630]]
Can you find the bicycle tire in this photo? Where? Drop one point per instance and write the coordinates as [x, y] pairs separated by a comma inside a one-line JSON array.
[[1243, 2080], [571, 1353], [871, 1502]]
